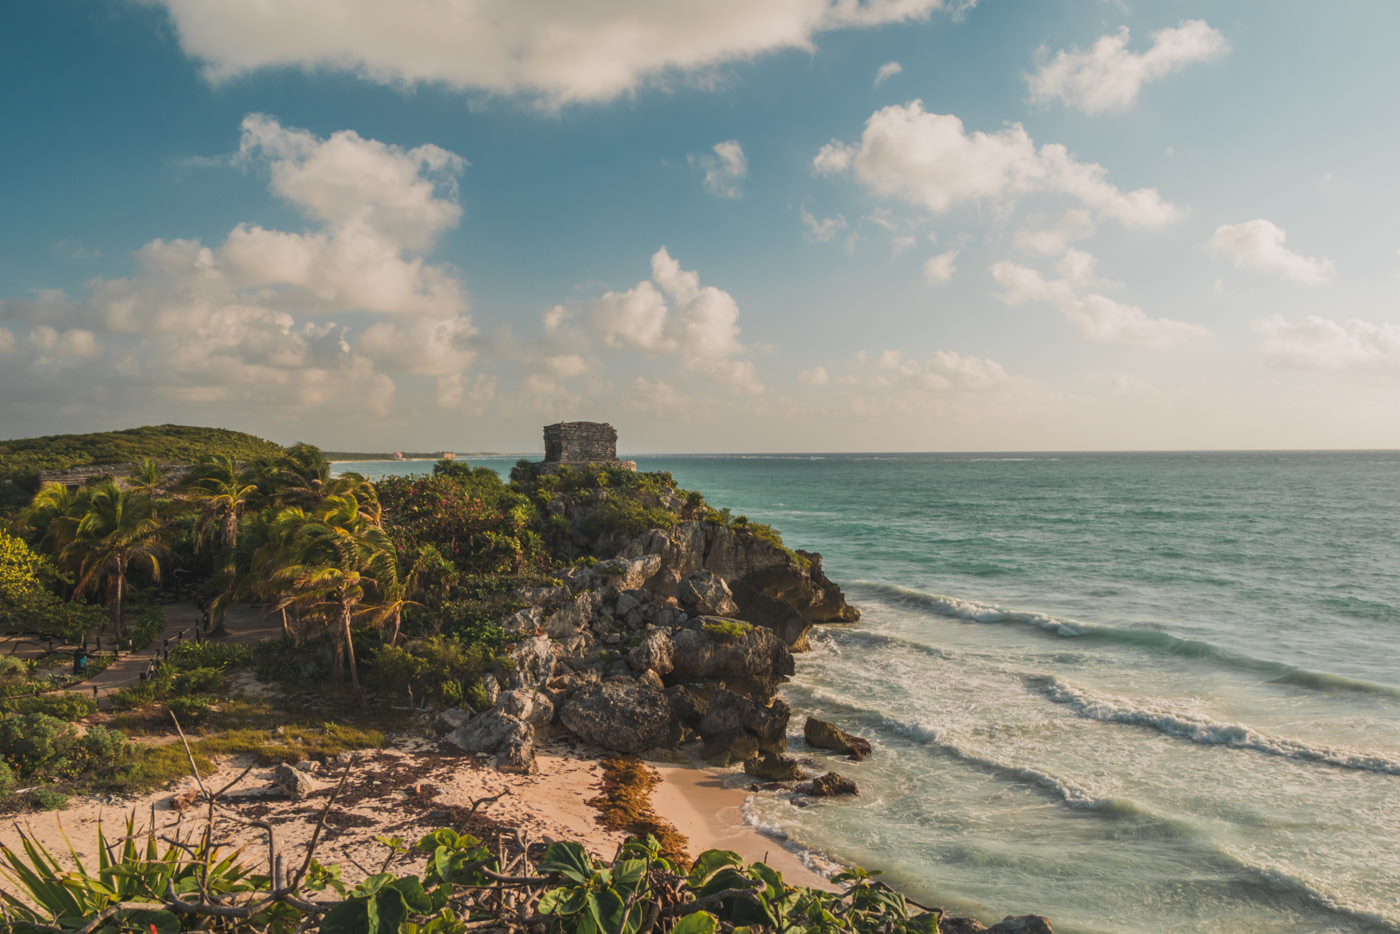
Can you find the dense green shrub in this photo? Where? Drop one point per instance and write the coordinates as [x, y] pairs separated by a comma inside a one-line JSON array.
[[441, 669], [192, 709], [626, 516], [64, 705], [210, 654], [47, 799], [7, 780]]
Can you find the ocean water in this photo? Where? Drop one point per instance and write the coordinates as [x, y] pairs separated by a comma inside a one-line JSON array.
[[1132, 692]]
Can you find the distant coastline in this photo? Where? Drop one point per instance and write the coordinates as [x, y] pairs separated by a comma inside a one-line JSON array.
[[340, 457]]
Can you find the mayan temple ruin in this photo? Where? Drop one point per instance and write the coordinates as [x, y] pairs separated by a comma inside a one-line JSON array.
[[574, 443]]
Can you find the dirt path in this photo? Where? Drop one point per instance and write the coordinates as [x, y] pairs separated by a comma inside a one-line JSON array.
[[245, 624]]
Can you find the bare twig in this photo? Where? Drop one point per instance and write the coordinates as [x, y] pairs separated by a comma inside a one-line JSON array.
[[320, 825]]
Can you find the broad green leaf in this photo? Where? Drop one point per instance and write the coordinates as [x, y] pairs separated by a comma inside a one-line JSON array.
[[701, 922], [627, 873], [710, 861], [350, 917], [569, 860], [925, 923]]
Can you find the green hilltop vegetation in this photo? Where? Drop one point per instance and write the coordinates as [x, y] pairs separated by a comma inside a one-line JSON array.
[[21, 459], [381, 589]]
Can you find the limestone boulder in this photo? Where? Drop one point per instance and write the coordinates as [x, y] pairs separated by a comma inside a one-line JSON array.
[[831, 785], [628, 573], [510, 738], [656, 652], [755, 663], [773, 768], [736, 727], [531, 664], [534, 707], [824, 735], [623, 715], [704, 593], [293, 782], [573, 617]]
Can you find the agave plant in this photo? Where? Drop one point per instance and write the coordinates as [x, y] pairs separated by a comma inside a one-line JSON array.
[[130, 886]]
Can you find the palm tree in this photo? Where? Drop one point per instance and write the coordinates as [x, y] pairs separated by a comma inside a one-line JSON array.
[[331, 565], [146, 476], [54, 515], [221, 493], [118, 530]]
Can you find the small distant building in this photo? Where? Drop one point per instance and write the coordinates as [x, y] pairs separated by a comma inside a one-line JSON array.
[[574, 443], [448, 456], [398, 455]]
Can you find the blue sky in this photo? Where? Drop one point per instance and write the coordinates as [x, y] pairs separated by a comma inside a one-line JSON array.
[[731, 226]]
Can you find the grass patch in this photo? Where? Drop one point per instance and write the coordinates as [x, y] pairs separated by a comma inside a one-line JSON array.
[[727, 631], [625, 805]]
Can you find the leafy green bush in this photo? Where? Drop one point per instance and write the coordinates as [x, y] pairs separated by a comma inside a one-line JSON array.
[[220, 655], [626, 516], [7, 780], [33, 741], [47, 799], [193, 709], [441, 669], [64, 705]]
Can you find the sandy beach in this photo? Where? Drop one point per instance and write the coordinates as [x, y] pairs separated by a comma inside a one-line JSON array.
[[405, 790]]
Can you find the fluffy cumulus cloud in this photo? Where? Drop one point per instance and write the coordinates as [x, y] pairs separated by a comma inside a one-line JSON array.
[[932, 160], [1095, 316], [671, 313], [725, 167], [1108, 77], [319, 318], [556, 52], [1258, 244], [1318, 343]]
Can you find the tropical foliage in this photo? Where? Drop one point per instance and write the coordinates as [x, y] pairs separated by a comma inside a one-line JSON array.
[[462, 886]]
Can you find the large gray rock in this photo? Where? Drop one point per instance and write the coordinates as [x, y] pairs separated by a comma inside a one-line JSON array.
[[831, 785], [533, 707], [773, 768], [823, 735], [573, 617], [755, 663], [656, 652], [292, 782], [630, 572], [509, 737], [735, 727], [622, 715], [523, 621], [531, 664], [1020, 924], [704, 593]]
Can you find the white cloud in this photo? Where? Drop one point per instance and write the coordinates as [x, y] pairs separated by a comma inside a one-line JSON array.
[[558, 53], [1095, 317], [227, 324], [725, 168], [816, 376], [931, 160], [406, 196], [1107, 77], [887, 71], [1318, 343], [1055, 238], [673, 314], [940, 268], [902, 244], [1259, 244], [821, 230]]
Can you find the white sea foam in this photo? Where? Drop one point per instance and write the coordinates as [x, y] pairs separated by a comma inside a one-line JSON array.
[[1277, 879], [1202, 730], [956, 608]]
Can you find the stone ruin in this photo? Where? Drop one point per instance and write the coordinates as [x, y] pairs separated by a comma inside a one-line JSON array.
[[574, 443]]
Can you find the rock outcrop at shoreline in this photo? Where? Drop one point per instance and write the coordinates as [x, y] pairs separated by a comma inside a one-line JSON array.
[[685, 633]]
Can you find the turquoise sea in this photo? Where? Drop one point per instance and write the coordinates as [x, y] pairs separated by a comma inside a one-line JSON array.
[[1132, 692]]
